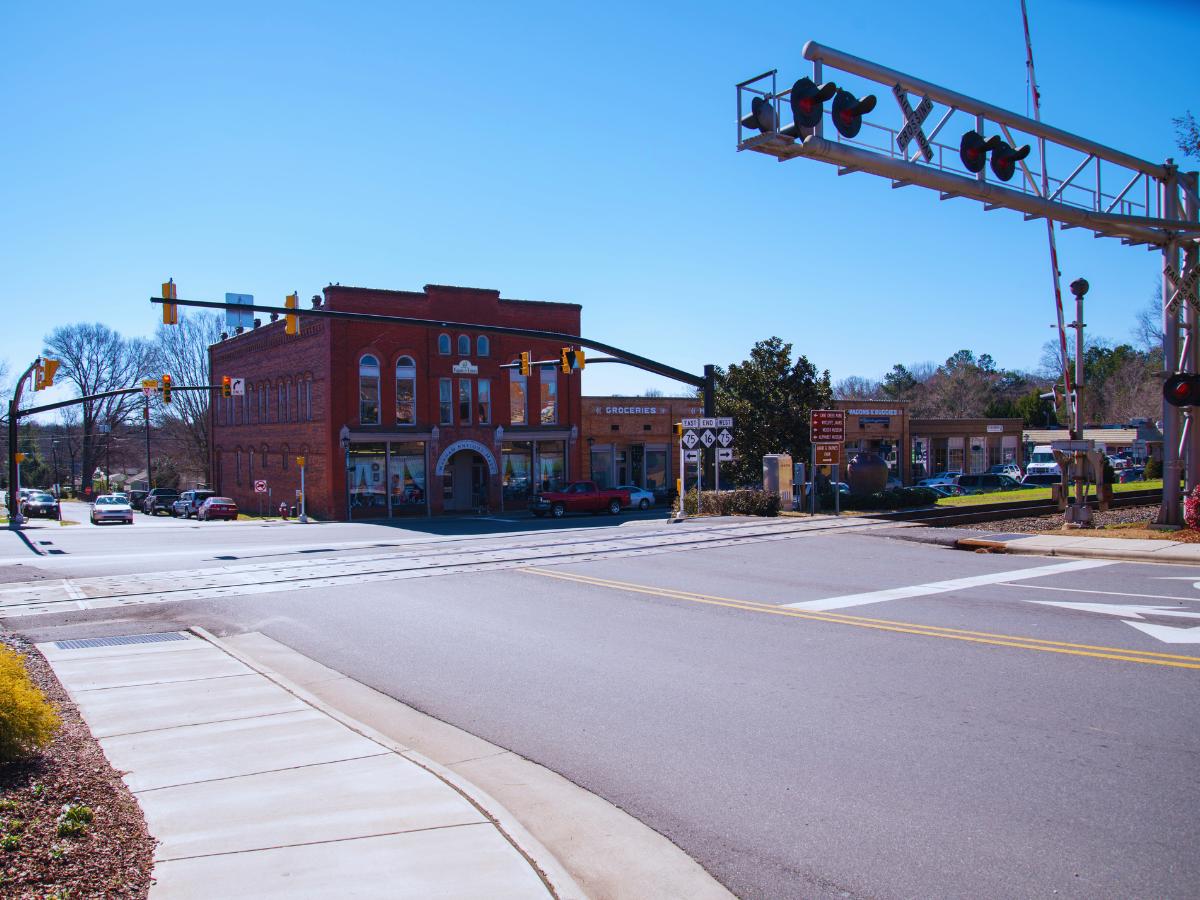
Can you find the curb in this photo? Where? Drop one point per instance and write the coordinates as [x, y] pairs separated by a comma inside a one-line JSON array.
[[557, 880], [1142, 556]]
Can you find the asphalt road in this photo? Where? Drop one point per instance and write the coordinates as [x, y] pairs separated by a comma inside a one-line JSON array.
[[996, 727]]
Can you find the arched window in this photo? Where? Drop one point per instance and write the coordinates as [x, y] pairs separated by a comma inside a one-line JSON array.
[[444, 344], [517, 404], [368, 390], [406, 391], [483, 347], [464, 345]]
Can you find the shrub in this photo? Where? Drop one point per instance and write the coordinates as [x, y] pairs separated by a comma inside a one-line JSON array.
[[1153, 469], [899, 498], [1191, 509], [27, 720], [746, 502]]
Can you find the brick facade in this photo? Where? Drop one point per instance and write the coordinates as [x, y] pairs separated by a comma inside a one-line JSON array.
[[631, 440], [304, 394]]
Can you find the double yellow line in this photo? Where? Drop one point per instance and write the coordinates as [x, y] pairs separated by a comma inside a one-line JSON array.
[[1121, 654]]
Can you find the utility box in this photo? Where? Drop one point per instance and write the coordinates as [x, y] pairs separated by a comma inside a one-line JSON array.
[[777, 477]]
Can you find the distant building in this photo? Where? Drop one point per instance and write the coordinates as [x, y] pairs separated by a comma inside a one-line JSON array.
[[397, 420], [631, 440]]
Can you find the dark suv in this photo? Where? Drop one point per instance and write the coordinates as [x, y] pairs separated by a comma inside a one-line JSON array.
[[188, 503], [984, 484], [159, 500]]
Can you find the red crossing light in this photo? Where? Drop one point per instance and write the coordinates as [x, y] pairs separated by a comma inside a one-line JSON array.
[[1182, 389]]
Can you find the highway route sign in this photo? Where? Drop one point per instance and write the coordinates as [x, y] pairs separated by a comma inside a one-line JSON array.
[[709, 431], [260, 486]]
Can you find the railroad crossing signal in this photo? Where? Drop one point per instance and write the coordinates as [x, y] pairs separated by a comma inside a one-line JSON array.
[[973, 151], [808, 103], [291, 323], [1184, 284], [170, 310], [1182, 389], [913, 120]]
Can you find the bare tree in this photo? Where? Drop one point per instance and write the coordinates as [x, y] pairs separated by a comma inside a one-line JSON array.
[[855, 387], [182, 350], [1148, 325], [96, 359]]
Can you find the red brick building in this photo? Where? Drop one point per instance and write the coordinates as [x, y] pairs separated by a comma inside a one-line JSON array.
[[396, 420]]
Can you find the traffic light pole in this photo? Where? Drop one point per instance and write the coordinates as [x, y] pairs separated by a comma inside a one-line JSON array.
[[1169, 513], [14, 472], [146, 422], [1191, 208]]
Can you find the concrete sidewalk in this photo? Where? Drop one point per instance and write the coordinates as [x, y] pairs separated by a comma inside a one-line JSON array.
[[1080, 544], [254, 788]]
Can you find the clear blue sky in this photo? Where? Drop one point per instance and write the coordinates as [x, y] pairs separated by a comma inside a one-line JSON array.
[[580, 152]]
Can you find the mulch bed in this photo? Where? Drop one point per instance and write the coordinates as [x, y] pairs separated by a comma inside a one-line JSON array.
[[1127, 519], [113, 855]]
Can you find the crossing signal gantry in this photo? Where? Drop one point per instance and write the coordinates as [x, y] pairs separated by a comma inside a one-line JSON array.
[[1106, 191]]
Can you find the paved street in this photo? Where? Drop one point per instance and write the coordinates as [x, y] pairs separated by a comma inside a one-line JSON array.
[[807, 708]]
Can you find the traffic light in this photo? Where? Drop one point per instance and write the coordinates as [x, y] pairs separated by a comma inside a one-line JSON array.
[[1182, 389], [848, 111], [679, 431], [762, 115], [226, 386], [20, 457], [170, 310], [291, 324], [807, 100], [1005, 159], [300, 461], [524, 367], [49, 368], [166, 388], [571, 360], [564, 360]]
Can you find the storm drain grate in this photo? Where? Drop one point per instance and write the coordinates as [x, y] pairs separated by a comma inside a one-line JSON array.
[[118, 641]]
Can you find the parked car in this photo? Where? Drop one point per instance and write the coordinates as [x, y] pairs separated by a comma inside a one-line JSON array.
[[639, 497], [217, 508], [159, 500], [1132, 474], [39, 503], [1011, 469], [1041, 479], [579, 496], [940, 478], [188, 503], [986, 483], [1042, 462], [137, 499], [945, 490], [110, 508]]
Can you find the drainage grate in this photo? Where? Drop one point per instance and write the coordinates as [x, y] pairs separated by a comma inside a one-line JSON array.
[[118, 641]]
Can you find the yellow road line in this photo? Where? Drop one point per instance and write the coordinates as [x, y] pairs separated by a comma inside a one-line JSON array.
[[1147, 657]]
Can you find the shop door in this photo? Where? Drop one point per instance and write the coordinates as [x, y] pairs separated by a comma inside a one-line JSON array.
[[479, 483], [638, 459]]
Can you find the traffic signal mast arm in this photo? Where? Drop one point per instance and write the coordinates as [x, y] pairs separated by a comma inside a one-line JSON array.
[[629, 359]]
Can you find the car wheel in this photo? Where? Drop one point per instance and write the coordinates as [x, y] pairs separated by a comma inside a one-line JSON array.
[[558, 510], [644, 504], [614, 507]]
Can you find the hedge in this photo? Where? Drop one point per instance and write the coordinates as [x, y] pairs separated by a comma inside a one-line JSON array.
[[748, 502]]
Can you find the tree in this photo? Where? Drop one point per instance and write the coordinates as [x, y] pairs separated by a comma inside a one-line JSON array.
[[899, 384], [34, 471], [1187, 134], [769, 397], [95, 359], [856, 388], [1148, 325], [182, 351]]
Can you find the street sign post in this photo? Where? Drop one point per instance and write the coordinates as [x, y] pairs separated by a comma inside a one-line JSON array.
[[827, 430], [239, 318]]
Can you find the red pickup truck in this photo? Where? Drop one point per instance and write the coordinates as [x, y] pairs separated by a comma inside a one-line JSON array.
[[578, 496]]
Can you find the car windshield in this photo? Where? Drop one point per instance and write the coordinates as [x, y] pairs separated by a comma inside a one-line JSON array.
[[43, 498], [110, 501], [227, 501]]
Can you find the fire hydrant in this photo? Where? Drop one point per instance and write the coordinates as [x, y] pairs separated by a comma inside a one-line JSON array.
[[283, 510]]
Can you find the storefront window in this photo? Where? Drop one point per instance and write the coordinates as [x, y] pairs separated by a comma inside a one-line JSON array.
[[365, 476], [464, 401], [656, 471], [368, 393], [1009, 454], [445, 401], [549, 401], [920, 458], [602, 467], [484, 401], [406, 474], [954, 454], [551, 465], [516, 465], [516, 398], [406, 391], [978, 458]]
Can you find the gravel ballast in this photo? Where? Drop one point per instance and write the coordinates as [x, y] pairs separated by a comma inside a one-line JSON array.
[[109, 856]]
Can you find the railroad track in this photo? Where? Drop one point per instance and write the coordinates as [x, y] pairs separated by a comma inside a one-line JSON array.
[[1014, 509]]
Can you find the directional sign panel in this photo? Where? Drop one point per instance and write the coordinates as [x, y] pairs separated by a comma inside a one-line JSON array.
[[237, 387], [691, 456], [827, 426], [724, 454], [827, 454], [235, 318]]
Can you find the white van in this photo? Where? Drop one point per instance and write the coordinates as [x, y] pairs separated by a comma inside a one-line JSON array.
[[1042, 462]]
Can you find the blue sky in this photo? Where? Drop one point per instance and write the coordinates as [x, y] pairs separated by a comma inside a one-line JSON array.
[[581, 152]]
